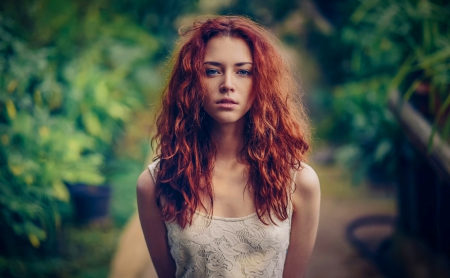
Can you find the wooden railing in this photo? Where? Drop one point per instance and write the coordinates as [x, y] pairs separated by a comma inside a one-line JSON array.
[[419, 131], [423, 192]]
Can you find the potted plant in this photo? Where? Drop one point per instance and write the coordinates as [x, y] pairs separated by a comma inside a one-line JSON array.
[[91, 195], [91, 203]]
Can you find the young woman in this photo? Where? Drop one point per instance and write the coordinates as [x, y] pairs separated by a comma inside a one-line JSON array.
[[229, 194]]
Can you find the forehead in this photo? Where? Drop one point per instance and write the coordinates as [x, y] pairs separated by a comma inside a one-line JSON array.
[[222, 49]]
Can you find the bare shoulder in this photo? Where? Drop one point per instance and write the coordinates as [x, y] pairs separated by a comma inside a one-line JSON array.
[[305, 221], [145, 184], [146, 197], [307, 184], [153, 226]]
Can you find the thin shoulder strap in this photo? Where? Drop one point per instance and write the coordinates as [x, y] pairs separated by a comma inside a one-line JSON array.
[[291, 205], [293, 181], [152, 168]]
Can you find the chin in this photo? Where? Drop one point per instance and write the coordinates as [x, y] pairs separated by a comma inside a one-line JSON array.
[[226, 120]]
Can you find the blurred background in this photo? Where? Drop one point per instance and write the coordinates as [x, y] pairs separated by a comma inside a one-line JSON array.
[[80, 81]]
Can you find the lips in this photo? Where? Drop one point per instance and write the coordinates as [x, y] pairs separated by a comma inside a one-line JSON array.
[[226, 101]]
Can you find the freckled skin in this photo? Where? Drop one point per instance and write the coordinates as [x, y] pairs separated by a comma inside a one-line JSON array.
[[228, 74]]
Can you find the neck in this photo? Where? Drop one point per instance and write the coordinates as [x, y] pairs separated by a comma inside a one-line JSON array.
[[229, 139]]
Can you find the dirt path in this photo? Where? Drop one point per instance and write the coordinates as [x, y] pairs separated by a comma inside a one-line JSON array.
[[333, 256], [342, 203]]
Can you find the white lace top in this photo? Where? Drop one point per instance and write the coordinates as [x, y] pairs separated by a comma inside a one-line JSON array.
[[228, 247]]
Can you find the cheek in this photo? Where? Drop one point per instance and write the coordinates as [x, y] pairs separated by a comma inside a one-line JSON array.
[[249, 103], [210, 89], [251, 91], [251, 96]]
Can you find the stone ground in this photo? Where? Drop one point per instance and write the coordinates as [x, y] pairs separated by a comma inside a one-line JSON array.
[[332, 257]]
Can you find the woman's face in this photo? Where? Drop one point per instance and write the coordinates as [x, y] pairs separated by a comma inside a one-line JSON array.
[[228, 79]]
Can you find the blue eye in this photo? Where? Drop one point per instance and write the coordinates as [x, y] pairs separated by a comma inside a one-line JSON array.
[[244, 72], [210, 72]]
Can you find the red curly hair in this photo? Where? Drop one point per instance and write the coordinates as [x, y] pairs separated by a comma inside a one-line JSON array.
[[276, 133]]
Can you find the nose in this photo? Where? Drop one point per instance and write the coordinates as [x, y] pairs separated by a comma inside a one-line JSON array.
[[227, 84]]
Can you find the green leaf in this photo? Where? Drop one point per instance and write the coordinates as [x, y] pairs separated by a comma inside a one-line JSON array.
[[436, 57], [431, 139], [23, 123], [119, 111], [60, 191], [382, 150], [405, 68], [92, 123], [363, 9], [411, 89], [443, 107]]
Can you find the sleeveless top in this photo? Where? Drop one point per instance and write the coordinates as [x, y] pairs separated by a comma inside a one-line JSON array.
[[228, 247]]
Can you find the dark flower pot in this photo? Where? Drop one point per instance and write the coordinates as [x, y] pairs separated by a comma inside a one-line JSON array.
[[91, 203]]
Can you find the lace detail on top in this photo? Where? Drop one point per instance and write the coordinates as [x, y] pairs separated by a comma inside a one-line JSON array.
[[228, 247]]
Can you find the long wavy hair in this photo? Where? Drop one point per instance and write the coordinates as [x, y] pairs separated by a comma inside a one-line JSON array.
[[276, 132]]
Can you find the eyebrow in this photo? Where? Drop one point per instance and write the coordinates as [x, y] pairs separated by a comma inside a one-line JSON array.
[[219, 64]]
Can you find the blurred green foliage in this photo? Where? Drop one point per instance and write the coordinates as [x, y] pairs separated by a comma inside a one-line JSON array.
[[413, 37], [373, 138], [39, 150], [73, 75], [87, 253], [384, 46]]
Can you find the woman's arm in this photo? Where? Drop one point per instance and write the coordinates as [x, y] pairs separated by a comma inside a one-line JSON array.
[[305, 220], [153, 226]]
